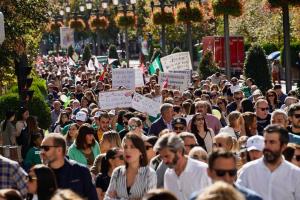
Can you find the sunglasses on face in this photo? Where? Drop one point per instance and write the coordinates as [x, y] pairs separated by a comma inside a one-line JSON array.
[[271, 95], [221, 173], [149, 147], [180, 128], [46, 147], [264, 109], [297, 158], [297, 116], [238, 98], [217, 144]]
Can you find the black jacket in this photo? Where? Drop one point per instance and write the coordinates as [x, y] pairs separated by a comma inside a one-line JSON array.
[[77, 178]]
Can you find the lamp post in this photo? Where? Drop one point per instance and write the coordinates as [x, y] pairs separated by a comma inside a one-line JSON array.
[[162, 6], [125, 6]]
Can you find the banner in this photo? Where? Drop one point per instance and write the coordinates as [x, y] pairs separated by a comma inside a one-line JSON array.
[[145, 104], [174, 80], [66, 37], [177, 61], [115, 99], [127, 77]]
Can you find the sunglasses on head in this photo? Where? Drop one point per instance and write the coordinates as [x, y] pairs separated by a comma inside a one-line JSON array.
[[297, 157], [297, 116], [221, 173], [46, 147], [31, 178]]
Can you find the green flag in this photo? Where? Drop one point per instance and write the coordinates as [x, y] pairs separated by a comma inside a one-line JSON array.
[[155, 65]]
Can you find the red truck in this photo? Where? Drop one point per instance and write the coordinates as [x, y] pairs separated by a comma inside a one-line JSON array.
[[216, 45]]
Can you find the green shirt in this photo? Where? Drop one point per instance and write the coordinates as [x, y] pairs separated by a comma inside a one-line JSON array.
[[32, 157]]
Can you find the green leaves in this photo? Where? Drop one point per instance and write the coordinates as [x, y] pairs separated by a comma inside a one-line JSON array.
[[229, 7]]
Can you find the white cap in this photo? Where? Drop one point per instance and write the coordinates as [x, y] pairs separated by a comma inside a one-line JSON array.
[[98, 114], [81, 116], [256, 142]]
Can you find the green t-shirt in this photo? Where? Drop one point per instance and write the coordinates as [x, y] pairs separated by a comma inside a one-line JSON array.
[[32, 157]]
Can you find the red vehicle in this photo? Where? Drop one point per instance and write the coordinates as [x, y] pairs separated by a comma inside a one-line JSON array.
[[216, 45]]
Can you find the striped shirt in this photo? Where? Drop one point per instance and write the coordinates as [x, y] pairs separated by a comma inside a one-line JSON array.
[[144, 181], [12, 176]]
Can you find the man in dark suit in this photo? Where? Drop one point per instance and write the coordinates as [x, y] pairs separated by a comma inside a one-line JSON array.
[[164, 122]]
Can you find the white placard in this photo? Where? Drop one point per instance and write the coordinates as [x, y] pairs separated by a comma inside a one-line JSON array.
[[127, 77], [188, 72], [66, 37], [174, 80], [145, 104], [177, 61], [115, 99]]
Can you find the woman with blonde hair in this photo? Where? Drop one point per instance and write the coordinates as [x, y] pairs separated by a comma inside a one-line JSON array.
[[225, 141], [235, 128]]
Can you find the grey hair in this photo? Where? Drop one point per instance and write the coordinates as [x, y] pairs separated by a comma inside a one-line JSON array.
[[164, 107], [184, 135], [171, 141], [279, 112]]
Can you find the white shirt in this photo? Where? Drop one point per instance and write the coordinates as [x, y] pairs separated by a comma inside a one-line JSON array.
[[281, 184], [193, 178]]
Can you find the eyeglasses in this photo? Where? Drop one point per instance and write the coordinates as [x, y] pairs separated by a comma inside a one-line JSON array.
[[297, 157], [191, 145], [221, 172], [47, 147], [149, 147], [31, 178], [121, 157], [263, 109], [180, 128], [297, 116]]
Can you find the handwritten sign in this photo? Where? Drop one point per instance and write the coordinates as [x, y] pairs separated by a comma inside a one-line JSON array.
[[115, 99], [176, 61], [66, 37], [127, 77], [174, 80], [145, 104]]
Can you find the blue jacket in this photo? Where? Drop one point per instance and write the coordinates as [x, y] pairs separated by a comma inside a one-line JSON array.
[[157, 126], [77, 178]]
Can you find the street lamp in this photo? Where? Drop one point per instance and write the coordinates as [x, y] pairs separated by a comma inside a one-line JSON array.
[[123, 6], [162, 6]]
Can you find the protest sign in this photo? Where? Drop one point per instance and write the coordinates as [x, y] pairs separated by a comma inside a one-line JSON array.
[[174, 80], [176, 61], [145, 104], [66, 37], [115, 99], [127, 77]]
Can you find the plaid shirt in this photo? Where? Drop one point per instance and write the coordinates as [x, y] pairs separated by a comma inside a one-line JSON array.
[[12, 176]]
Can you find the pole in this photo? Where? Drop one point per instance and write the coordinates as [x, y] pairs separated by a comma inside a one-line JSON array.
[[287, 50], [189, 40], [163, 38], [227, 48], [127, 47]]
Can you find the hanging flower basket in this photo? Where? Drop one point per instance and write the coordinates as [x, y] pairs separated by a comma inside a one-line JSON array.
[[77, 24], [97, 23], [229, 7], [280, 3], [163, 18], [186, 15], [54, 26], [125, 21]]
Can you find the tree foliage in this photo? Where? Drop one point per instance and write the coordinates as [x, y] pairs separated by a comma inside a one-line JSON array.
[[112, 52], [207, 65], [256, 67]]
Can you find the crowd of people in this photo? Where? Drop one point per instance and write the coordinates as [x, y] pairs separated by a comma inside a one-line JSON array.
[[219, 139]]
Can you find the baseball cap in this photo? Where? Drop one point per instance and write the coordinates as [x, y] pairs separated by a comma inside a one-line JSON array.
[[81, 116], [256, 142], [179, 120], [98, 114]]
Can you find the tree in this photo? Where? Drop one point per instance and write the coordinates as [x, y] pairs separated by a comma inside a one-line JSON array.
[[256, 67], [207, 65], [86, 56]]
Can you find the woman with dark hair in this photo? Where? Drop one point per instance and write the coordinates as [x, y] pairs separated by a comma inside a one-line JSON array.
[[272, 99], [203, 134], [62, 120], [113, 158], [134, 179], [71, 134], [8, 130], [22, 116], [85, 148], [33, 155], [41, 183], [247, 106], [120, 124]]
